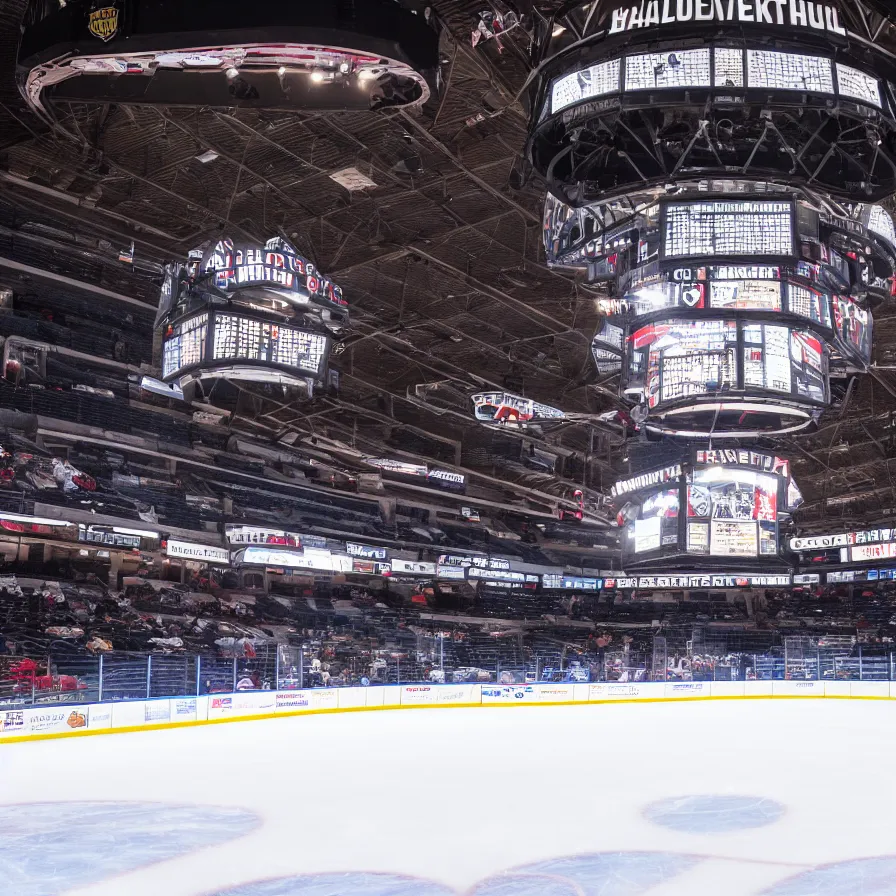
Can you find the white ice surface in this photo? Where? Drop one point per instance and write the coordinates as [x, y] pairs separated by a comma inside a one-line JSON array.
[[455, 797]]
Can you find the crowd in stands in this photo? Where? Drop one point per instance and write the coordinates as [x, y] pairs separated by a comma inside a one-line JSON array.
[[52, 634]]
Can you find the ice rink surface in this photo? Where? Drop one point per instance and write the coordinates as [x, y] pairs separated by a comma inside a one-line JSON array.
[[774, 797]]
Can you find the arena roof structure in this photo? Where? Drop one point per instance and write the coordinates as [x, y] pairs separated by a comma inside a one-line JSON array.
[[429, 216]]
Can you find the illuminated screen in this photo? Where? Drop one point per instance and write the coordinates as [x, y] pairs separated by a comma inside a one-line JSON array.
[[276, 265], [505, 407], [186, 345], [684, 68], [764, 295], [657, 522], [853, 324], [865, 552], [582, 85], [691, 68], [728, 228], [732, 512], [688, 358], [244, 338], [767, 357], [789, 71], [610, 334], [645, 296], [880, 222], [853, 83], [681, 358], [729, 68], [783, 360], [809, 303]]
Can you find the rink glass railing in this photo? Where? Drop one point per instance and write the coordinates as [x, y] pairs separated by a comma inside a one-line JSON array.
[[65, 679]]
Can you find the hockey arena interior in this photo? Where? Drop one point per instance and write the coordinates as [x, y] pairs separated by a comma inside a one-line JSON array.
[[475, 355]]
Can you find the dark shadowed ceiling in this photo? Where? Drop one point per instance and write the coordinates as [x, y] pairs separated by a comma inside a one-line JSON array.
[[441, 262]]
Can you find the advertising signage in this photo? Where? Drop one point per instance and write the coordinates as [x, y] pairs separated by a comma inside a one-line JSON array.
[[842, 539], [571, 583], [365, 551], [276, 265], [700, 581], [444, 479], [768, 463], [798, 14], [507, 408], [242, 535], [646, 480], [188, 550]]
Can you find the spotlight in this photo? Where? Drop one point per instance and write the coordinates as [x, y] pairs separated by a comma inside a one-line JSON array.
[[317, 76], [345, 68], [233, 73], [281, 71]]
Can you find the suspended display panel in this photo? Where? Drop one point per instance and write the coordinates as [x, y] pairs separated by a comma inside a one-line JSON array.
[[721, 504], [732, 512], [274, 268], [210, 342], [727, 228], [507, 408]]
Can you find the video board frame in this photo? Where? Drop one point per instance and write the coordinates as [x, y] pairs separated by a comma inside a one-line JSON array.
[[268, 332], [744, 493]]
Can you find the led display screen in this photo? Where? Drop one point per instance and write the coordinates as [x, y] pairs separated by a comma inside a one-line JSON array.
[[808, 303], [185, 346], [751, 288], [866, 552], [610, 335], [683, 68], [853, 83], [646, 297], [507, 408], [767, 357], [729, 67], [853, 325], [738, 227], [239, 338], [789, 71], [681, 358], [755, 295], [573, 583], [734, 68], [657, 522], [275, 265], [688, 358], [881, 223], [399, 467], [595, 80], [732, 512], [839, 539]]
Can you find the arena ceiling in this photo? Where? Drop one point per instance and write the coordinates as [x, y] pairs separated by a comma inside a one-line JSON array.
[[441, 261]]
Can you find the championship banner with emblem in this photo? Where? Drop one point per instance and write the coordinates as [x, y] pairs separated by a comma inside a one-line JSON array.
[[102, 22]]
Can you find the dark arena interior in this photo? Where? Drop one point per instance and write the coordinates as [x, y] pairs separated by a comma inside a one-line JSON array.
[[373, 354]]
